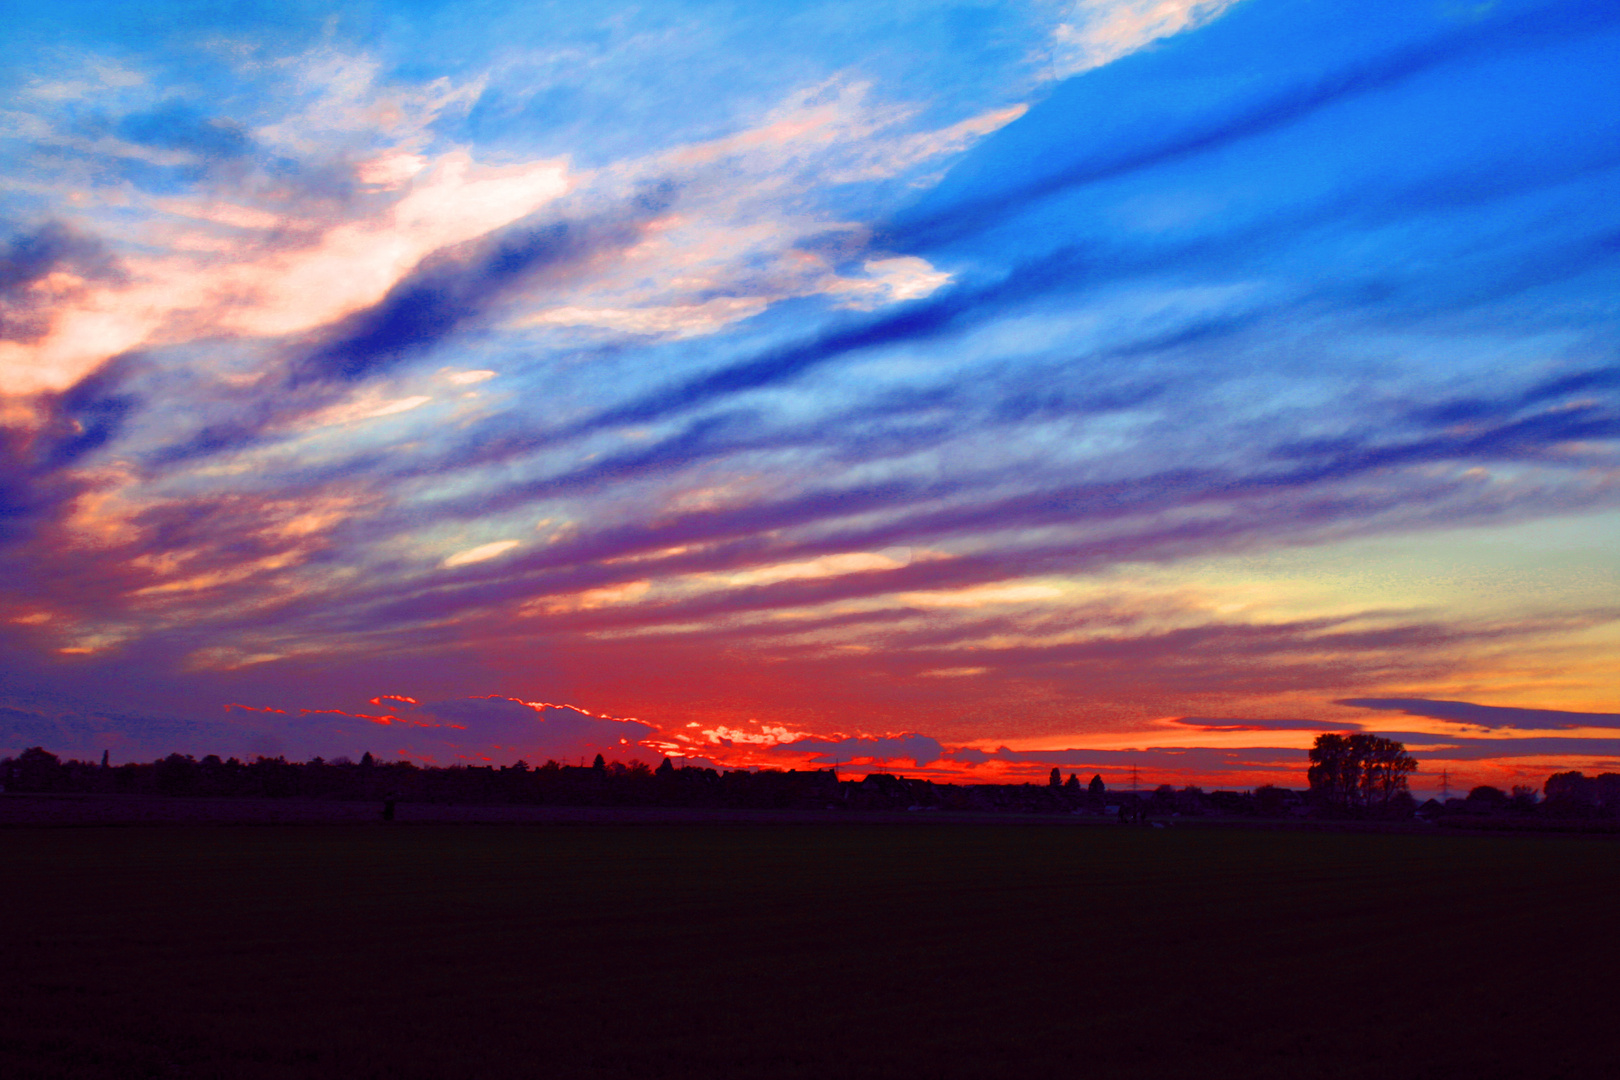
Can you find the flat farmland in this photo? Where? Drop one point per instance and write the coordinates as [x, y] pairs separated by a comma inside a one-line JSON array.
[[443, 951]]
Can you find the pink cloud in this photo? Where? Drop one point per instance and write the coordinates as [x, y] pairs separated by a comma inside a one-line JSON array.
[[265, 286]]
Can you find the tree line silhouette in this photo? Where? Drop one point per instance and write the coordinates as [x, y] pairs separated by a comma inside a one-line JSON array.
[[602, 783], [1351, 776]]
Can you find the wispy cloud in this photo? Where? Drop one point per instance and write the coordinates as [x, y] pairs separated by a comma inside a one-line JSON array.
[[1099, 31], [1489, 716]]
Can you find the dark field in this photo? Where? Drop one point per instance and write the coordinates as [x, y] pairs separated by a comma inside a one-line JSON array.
[[803, 951]]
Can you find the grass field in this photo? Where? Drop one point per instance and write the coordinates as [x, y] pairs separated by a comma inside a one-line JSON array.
[[892, 951]]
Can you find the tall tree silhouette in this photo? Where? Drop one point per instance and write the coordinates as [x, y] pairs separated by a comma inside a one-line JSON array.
[[1358, 772]]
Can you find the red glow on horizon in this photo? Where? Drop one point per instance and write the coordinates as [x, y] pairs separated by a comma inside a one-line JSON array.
[[385, 719], [792, 743], [542, 705]]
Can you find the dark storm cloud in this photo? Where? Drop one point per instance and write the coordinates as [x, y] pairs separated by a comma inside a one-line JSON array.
[[1488, 716]]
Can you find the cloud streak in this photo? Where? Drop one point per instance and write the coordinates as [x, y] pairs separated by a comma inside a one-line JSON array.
[[1491, 717]]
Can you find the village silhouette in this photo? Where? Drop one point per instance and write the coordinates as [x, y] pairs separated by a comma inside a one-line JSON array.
[[1353, 777]]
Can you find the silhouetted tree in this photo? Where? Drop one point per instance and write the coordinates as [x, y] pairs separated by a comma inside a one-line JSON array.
[[1055, 781], [35, 769], [600, 764], [1357, 772], [275, 777], [1271, 800], [1162, 800], [1608, 792], [1385, 767], [1571, 793], [1523, 799], [1190, 799], [1486, 799]]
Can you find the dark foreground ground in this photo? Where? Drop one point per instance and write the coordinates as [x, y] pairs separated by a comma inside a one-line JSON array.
[[792, 951]]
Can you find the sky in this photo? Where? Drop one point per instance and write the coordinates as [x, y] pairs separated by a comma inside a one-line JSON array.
[[959, 390]]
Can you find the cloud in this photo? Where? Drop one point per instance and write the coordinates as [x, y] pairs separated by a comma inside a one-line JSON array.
[[458, 729], [36, 482], [303, 272], [1546, 754], [1181, 127], [178, 125], [1488, 716], [505, 728], [43, 268], [452, 290], [1105, 30], [915, 322], [480, 553], [146, 736], [1203, 723], [920, 750], [446, 291]]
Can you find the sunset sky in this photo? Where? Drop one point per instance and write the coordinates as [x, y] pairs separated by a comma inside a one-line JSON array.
[[953, 389]]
